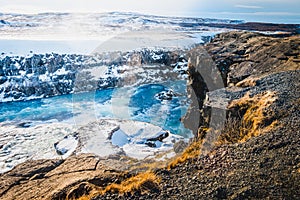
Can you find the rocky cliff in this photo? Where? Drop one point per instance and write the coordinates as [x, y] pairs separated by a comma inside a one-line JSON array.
[[242, 58]]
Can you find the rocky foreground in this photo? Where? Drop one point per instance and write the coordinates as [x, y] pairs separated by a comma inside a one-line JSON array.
[[246, 124]]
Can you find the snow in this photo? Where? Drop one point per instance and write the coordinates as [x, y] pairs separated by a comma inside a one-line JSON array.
[[132, 137], [22, 72], [97, 72], [61, 71], [67, 146], [127, 137], [87, 33], [119, 138], [15, 46], [157, 57], [44, 78], [138, 151], [35, 142], [94, 138]]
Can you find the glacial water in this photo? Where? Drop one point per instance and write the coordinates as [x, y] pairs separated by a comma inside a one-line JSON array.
[[134, 103], [28, 129]]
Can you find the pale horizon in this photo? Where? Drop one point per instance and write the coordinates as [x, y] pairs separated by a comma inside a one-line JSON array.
[[274, 11]]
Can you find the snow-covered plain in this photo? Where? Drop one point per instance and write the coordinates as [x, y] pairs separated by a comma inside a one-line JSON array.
[[84, 33]]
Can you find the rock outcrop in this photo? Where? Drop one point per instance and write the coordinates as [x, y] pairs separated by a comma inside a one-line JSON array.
[[55, 179], [238, 56]]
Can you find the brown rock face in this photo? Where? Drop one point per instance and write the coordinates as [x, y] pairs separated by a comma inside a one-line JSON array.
[[56, 179], [236, 56], [261, 100], [204, 76], [242, 54]]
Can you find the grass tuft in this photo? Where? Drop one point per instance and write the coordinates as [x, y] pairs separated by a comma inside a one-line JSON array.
[[193, 150], [256, 118], [143, 182], [84, 198], [248, 82]]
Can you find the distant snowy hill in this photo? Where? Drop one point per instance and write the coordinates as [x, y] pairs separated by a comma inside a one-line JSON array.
[[66, 25]]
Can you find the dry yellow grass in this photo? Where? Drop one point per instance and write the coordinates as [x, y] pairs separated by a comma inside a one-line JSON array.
[[248, 82], [298, 168], [142, 182], [193, 150], [85, 198], [152, 165], [255, 121], [146, 181]]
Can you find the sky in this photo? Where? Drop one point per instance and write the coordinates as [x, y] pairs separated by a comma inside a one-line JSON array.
[[277, 11]]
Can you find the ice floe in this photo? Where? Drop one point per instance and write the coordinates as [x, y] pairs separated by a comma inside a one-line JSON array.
[[104, 137]]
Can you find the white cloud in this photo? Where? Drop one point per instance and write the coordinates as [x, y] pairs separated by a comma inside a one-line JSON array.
[[25, 9], [248, 6], [195, 8], [159, 7], [258, 13], [277, 13]]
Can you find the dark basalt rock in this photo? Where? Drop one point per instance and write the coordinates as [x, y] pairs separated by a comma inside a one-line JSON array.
[[3, 21], [165, 95], [241, 54], [24, 124], [161, 137], [109, 82], [151, 141]]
